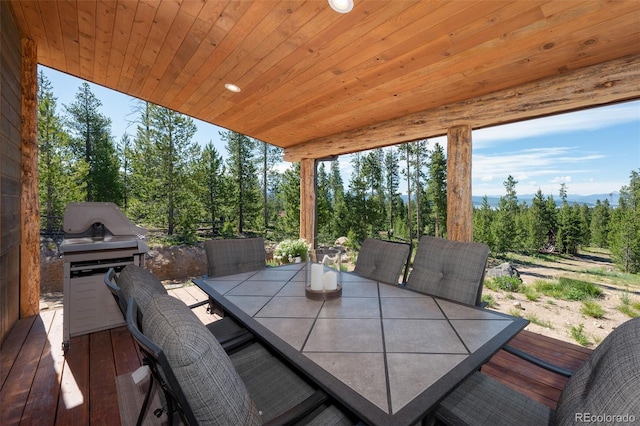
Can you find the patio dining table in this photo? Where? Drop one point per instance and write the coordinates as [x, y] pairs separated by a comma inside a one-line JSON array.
[[388, 354]]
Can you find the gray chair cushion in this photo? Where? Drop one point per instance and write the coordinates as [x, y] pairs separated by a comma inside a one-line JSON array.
[[137, 282], [608, 383], [449, 269], [210, 383], [227, 257], [273, 386], [381, 260], [481, 400]]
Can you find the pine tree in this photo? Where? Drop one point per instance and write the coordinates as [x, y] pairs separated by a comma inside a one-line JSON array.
[[244, 190], [59, 173], [600, 224], [505, 233], [323, 203], [356, 199], [373, 173], [482, 223], [624, 234], [171, 135], [290, 194], [92, 141], [211, 185], [269, 156], [539, 223], [339, 217], [437, 191], [392, 183]]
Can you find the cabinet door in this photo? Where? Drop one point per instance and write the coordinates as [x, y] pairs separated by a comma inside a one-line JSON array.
[[91, 306]]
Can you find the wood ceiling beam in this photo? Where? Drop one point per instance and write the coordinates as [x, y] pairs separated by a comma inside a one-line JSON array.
[[598, 85]]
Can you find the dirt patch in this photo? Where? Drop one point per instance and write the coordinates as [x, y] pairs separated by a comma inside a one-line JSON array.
[[556, 318]]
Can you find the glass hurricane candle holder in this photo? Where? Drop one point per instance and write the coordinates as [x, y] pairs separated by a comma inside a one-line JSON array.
[[324, 275]]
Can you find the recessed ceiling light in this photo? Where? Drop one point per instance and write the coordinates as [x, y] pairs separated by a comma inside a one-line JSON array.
[[232, 87], [341, 6]]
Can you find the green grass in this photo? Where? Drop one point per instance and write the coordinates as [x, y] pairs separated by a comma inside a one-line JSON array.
[[531, 294], [627, 307], [535, 320], [578, 335], [592, 308], [515, 312], [568, 289]]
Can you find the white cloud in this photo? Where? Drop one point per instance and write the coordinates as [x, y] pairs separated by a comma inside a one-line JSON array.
[[591, 119]]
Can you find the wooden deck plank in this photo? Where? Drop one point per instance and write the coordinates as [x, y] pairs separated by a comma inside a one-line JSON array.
[[33, 365], [43, 399], [187, 297], [73, 405], [15, 392], [533, 381], [102, 375], [126, 355], [12, 345]]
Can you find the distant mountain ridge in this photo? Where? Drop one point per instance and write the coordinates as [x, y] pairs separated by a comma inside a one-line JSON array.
[[589, 200]]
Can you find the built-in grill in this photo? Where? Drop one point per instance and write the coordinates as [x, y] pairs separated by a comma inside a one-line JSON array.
[[97, 236]]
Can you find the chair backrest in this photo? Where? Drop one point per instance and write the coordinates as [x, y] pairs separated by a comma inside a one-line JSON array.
[[233, 256], [608, 383], [206, 384], [383, 260], [116, 292], [449, 269], [139, 283], [160, 369]]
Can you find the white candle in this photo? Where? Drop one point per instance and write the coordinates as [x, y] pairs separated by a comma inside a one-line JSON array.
[[330, 280], [316, 276]]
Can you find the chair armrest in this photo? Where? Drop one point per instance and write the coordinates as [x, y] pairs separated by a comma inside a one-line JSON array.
[[198, 304], [299, 411], [537, 361]]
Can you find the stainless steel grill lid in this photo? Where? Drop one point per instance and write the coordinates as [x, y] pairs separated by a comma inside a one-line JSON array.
[[92, 226]]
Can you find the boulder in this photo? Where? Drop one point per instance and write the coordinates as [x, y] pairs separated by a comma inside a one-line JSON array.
[[503, 270]]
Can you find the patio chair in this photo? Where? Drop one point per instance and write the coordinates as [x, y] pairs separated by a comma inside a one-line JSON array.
[[139, 283], [207, 386], [607, 385], [452, 270], [383, 260], [234, 256]]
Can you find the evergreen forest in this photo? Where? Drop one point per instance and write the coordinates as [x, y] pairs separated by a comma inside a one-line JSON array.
[[166, 181]]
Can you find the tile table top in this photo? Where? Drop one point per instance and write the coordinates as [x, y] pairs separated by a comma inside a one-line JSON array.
[[387, 352]]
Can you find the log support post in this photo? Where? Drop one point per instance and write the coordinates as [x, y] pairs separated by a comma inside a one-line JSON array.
[[308, 200], [30, 211], [459, 201]]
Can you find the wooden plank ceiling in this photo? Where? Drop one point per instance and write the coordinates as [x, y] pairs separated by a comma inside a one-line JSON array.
[[308, 73]]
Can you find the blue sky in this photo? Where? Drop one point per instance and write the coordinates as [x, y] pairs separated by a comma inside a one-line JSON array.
[[592, 151]]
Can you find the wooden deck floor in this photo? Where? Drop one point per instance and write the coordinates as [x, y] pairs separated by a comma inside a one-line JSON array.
[[40, 386]]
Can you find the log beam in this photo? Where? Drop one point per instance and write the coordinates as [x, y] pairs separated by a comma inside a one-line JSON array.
[[598, 85], [29, 207], [459, 201], [308, 200]]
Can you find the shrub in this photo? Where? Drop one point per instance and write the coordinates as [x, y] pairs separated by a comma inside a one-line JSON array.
[[288, 250], [489, 300], [505, 283]]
